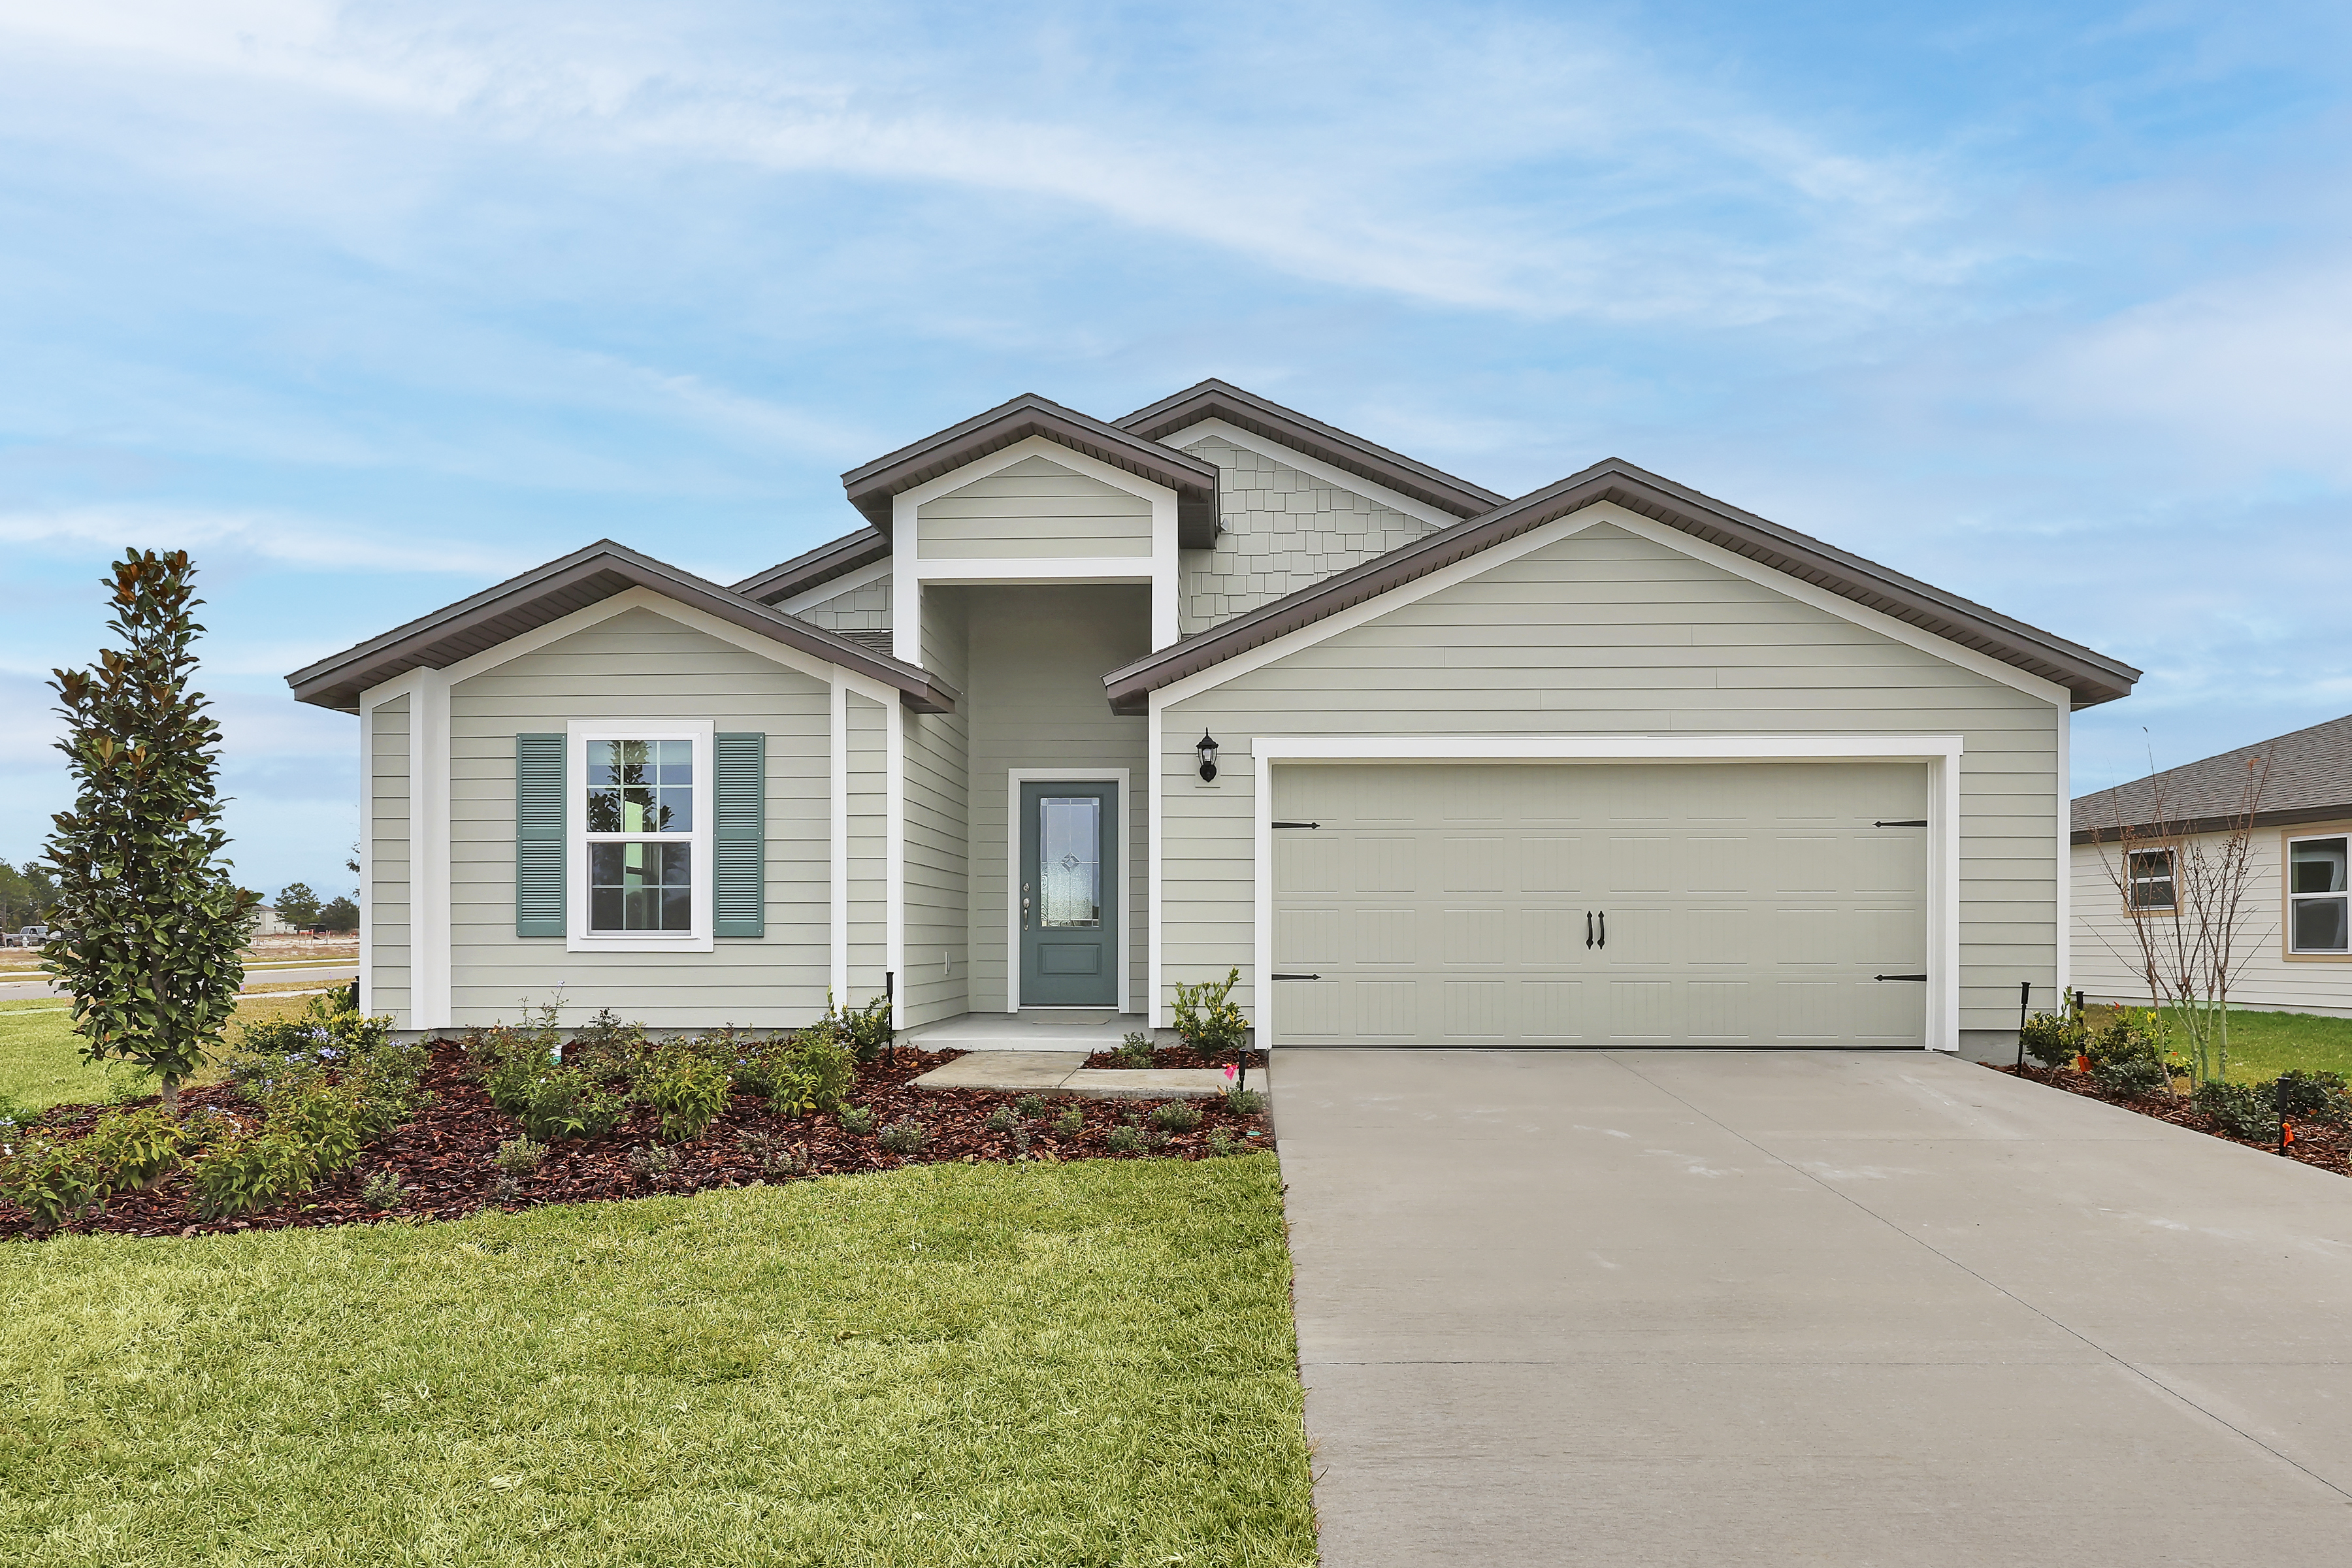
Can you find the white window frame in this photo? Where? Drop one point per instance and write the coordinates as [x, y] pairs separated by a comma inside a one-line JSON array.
[[2286, 874], [578, 734], [2171, 878]]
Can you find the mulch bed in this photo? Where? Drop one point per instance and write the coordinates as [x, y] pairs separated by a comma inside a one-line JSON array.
[[444, 1156], [1182, 1056], [2329, 1147]]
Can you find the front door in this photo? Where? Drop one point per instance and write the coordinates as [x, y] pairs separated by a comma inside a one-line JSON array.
[[1069, 895]]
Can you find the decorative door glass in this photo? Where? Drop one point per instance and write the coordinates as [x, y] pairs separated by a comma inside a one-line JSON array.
[[1069, 873]]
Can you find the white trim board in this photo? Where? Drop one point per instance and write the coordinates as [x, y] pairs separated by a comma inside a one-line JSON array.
[[1014, 779], [1566, 527], [1942, 753], [1315, 468]]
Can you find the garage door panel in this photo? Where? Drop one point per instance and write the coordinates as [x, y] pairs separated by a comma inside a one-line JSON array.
[[1746, 904]]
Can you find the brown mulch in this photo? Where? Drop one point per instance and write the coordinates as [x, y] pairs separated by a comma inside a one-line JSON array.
[[1182, 1057], [443, 1156], [2328, 1148]]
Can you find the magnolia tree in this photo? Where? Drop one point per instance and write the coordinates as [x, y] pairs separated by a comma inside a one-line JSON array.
[[149, 924], [2191, 947]]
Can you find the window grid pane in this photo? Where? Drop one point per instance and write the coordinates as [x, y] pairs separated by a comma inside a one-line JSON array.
[[641, 887], [640, 786]]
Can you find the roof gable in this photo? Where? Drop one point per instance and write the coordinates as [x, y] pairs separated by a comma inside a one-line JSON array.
[[573, 582], [2091, 677], [873, 487], [2309, 780]]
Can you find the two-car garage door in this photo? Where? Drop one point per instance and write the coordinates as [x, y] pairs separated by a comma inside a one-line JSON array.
[[1753, 904]]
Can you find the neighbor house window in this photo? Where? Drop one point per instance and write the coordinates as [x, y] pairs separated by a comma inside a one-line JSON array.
[[641, 816], [2151, 880], [2318, 900]]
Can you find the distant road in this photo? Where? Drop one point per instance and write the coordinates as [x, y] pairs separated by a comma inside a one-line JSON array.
[[342, 968]]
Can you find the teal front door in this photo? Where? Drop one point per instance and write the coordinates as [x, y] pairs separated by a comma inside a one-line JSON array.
[[1069, 895]]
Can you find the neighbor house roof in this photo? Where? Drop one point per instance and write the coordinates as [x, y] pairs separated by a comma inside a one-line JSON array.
[[1222, 400], [2309, 780], [585, 577], [2093, 678], [816, 567], [872, 487]]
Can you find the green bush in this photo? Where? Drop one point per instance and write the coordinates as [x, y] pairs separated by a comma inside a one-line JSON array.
[[382, 1190], [130, 1149], [520, 1156], [867, 1031], [1221, 1144], [1135, 1050], [1123, 1139], [240, 1174], [2318, 1097], [2055, 1039], [904, 1136], [2239, 1109], [2126, 1059], [1175, 1116], [1070, 1123], [1204, 1018], [566, 1103], [856, 1118], [1245, 1101], [800, 1075], [325, 1037], [49, 1179], [1001, 1119], [1031, 1105], [688, 1090]]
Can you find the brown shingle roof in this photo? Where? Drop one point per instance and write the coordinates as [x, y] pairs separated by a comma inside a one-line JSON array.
[[2310, 780]]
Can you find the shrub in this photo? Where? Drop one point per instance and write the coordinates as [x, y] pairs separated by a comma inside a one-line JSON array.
[[2126, 1058], [567, 1103], [2313, 1097], [856, 1118], [652, 1161], [520, 1156], [2239, 1109], [1123, 1139], [48, 1180], [904, 1136], [865, 1031], [382, 1190], [1032, 1105], [777, 1159], [14, 1118], [327, 1034], [1206, 1020], [1134, 1051], [130, 1149], [2055, 1039], [1001, 1119], [1221, 1144], [242, 1174], [1245, 1101], [1175, 1116], [1070, 1123], [807, 1073], [2132, 1078], [328, 1124], [690, 1091]]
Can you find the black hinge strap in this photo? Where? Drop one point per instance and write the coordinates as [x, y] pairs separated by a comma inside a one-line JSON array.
[[1898, 977], [1921, 822], [1297, 977], [1298, 825]]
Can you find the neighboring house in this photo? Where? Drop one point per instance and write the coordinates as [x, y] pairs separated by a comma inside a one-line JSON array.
[[267, 922], [2296, 932], [1608, 763]]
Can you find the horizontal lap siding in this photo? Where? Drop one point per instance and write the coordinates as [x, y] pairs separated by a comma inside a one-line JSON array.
[[2107, 963], [640, 666], [1037, 657], [1607, 632], [939, 762], [869, 843], [1034, 508], [388, 868]]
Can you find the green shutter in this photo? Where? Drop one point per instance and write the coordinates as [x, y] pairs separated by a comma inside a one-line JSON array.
[[539, 834], [739, 836]]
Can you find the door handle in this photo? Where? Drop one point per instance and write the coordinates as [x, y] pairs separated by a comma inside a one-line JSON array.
[[1024, 906], [1604, 928], [1587, 931]]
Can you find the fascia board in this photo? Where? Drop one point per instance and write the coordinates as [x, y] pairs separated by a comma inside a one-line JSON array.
[[1307, 463]]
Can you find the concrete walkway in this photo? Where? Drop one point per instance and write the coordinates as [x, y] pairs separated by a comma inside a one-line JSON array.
[[1065, 1072], [1699, 1307]]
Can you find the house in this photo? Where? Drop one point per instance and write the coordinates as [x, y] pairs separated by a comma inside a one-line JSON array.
[[2294, 938], [1085, 709], [267, 922]]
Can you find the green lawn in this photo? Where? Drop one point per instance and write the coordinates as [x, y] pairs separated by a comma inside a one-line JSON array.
[[2264, 1044], [1083, 1364], [40, 1056]]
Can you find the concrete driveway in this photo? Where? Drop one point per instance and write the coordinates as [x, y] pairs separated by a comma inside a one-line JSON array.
[[1719, 1307]]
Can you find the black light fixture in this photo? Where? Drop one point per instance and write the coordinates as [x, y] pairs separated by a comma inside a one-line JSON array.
[[1207, 747]]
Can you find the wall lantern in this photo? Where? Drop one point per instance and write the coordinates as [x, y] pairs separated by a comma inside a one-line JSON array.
[[1207, 747]]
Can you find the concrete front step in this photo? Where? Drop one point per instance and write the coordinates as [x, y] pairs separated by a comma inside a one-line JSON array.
[[1065, 1072]]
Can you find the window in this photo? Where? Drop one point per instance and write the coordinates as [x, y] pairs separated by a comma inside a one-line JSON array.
[[2319, 899], [640, 817], [2151, 880]]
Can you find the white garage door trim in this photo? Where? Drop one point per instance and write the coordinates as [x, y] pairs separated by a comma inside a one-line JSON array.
[[1941, 752]]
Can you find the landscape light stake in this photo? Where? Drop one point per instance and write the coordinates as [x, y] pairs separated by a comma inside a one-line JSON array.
[[2024, 1000]]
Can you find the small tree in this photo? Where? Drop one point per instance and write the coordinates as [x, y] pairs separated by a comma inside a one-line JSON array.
[[339, 915], [297, 905], [150, 922]]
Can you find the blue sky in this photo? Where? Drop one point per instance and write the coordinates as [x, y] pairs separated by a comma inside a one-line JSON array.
[[370, 305]]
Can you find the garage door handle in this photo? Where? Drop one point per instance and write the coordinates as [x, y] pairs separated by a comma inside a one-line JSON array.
[[1604, 929], [1898, 977], [1587, 929], [1298, 977]]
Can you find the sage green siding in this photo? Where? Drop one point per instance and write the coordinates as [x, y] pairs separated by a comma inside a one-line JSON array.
[[640, 664], [869, 843], [865, 608], [1035, 699], [1034, 508], [1283, 529], [388, 868], [1608, 632], [939, 777]]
